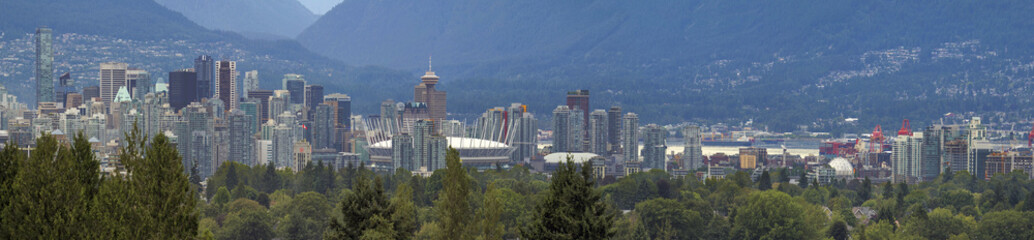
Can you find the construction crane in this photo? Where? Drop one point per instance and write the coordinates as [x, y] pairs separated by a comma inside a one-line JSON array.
[[1030, 137], [876, 140], [906, 129]]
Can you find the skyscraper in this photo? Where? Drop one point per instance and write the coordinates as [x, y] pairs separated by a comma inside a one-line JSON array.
[[654, 147], [561, 129], [579, 100], [322, 126], [295, 84], [402, 152], [630, 137], [44, 66], [313, 96], [614, 129], [241, 129], [182, 88], [251, 82], [91, 92], [138, 83], [598, 132], [226, 83], [263, 102], [907, 154], [112, 77], [342, 105], [426, 92], [204, 66], [692, 155], [65, 86], [525, 139]]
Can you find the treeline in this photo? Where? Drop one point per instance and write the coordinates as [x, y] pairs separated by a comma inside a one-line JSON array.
[[56, 193]]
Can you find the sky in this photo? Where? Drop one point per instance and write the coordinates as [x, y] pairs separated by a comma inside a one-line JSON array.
[[319, 6]]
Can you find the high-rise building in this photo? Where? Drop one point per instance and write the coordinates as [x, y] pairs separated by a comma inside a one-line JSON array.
[[322, 127], [205, 68], [65, 86], [630, 137], [426, 92], [73, 100], [654, 147], [579, 99], [251, 82], [91, 92], [402, 150], [978, 148], [561, 129], [302, 155], [241, 130], [526, 139], [138, 83], [44, 66], [577, 140], [614, 130], [283, 141], [295, 84], [112, 77], [907, 158], [313, 96], [226, 83], [263, 102], [598, 132], [342, 105], [182, 88], [692, 154], [390, 116]]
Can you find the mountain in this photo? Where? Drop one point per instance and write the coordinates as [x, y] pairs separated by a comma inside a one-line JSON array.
[[319, 7], [781, 63], [284, 18], [151, 37]]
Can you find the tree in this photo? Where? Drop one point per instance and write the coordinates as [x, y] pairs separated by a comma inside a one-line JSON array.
[[403, 212], [865, 192], [246, 220], [306, 217], [164, 196], [803, 180], [231, 176], [771, 215], [765, 181], [940, 224], [222, 196], [358, 210], [270, 179], [572, 209], [11, 160], [490, 215], [45, 195], [838, 231], [666, 217], [1006, 225], [453, 205]]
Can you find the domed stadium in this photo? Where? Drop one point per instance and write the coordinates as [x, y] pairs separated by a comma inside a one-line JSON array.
[[473, 151], [842, 166]]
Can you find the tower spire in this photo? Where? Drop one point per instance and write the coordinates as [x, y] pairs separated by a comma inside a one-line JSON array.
[[429, 63]]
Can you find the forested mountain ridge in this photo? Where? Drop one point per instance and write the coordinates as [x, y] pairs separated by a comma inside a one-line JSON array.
[[151, 37], [707, 60]]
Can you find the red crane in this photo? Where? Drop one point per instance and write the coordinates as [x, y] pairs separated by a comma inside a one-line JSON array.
[[906, 129], [876, 141], [1030, 137]]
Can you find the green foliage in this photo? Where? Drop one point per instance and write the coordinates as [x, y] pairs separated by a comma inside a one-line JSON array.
[[765, 181], [940, 224], [403, 212], [572, 209], [454, 200], [1006, 225], [358, 210], [772, 215], [307, 215], [246, 220], [666, 219], [838, 231]]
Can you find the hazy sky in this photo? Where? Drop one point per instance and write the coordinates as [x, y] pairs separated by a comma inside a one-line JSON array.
[[319, 6]]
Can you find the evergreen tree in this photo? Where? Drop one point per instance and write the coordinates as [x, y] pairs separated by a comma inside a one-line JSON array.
[[453, 205], [11, 160], [358, 210], [45, 195], [803, 180], [403, 212], [270, 179], [765, 181], [231, 176], [572, 209], [489, 216], [164, 195], [838, 231], [866, 190]]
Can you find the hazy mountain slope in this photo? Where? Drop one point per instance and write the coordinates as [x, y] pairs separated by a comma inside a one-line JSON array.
[[151, 37], [279, 17], [796, 61]]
